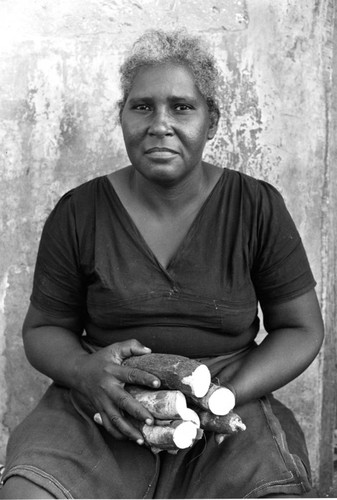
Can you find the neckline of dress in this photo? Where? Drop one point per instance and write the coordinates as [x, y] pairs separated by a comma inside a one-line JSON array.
[[186, 238]]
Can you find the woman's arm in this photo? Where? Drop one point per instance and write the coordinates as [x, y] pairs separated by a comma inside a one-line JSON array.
[[295, 335], [53, 347]]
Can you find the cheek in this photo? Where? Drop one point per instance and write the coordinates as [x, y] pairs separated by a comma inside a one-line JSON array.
[[131, 127], [131, 136], [198, 138]]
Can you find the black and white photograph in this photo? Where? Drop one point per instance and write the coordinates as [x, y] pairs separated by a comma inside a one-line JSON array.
[[168, 249]]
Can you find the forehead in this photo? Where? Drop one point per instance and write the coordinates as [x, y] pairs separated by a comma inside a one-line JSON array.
[[164, 80]]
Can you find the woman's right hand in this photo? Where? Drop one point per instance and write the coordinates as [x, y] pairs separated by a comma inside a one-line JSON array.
[[102, 379], [53, 347]]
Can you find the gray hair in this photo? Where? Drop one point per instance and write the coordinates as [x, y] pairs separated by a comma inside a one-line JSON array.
[[159, 47]]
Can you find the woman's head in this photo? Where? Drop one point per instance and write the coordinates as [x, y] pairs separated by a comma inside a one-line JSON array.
[[157, 47]]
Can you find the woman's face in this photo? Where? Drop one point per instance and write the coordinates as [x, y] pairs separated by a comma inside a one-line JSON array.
[[165, 123]]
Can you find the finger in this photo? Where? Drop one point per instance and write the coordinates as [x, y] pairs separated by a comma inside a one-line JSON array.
[[134, 376], [128, 404], [116, 423], [126, 428], [129, 348], [102, 419], [108, 425], [99, 420]]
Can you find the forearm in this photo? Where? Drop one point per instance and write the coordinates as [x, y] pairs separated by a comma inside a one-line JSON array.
[[55, 352], [282, 356]]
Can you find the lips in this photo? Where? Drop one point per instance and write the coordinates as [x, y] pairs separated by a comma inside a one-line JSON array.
[[161, 151]]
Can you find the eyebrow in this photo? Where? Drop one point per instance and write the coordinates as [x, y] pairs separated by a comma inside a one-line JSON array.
[[136, 99]]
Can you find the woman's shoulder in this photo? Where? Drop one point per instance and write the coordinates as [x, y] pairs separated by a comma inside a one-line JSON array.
[[87, 188], [248, 181], [250, 188], [81, 197], [77, 205]]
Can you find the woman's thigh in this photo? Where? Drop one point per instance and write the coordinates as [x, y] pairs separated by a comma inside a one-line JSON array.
[[19, 487], [59, 448]]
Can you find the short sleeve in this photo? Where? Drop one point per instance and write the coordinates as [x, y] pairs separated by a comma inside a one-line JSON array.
[[58, 286], [281, 270]]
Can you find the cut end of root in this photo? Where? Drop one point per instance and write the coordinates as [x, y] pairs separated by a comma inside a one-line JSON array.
[[180, 403], [185, 435], [191, 416], [199, 381], [222, 401]]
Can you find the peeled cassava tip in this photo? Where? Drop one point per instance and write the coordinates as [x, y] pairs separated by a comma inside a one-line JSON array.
[[221, 424], [199, 381], [184, 435], [190, 415], [218, 400], [221, 401], [177, 435]]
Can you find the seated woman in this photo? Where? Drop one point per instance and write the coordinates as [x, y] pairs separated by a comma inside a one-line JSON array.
[[171, 255]]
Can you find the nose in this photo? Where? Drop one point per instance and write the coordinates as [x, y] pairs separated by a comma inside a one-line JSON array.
[[160, 124]]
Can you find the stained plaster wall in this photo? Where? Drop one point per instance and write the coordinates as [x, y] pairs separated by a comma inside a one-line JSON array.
[[58, 127]]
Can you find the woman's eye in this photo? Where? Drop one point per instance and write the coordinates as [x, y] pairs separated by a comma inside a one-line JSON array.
[[142, 107], [183, 107]]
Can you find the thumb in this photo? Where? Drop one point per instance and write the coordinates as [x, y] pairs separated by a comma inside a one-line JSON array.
[[124, 350]]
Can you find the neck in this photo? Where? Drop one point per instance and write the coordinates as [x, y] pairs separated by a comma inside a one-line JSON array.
[[170, 198]]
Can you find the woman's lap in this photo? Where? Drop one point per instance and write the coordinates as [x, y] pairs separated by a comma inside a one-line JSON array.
[[60, 448]]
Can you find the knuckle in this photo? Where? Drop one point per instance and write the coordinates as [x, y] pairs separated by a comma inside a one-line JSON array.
[[104, 387], [138, 413], [116, 346], [132, 375], [123, 401], [115, 432], [116, 420]]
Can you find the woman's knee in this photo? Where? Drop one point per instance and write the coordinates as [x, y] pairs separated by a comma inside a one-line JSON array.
[[19, 487]]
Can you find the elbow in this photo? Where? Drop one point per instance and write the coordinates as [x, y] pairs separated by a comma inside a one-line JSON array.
[[28, 344], [314, 338], [319, 336]]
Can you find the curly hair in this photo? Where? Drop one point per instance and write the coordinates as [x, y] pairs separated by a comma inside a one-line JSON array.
[[159, 47]]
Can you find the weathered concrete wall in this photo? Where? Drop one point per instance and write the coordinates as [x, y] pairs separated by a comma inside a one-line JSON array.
[[58, 127]]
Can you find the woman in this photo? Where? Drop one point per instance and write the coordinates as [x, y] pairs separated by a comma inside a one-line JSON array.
[[170, 254]]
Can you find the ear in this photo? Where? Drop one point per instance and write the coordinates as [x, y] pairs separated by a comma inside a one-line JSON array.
[[213, 126]]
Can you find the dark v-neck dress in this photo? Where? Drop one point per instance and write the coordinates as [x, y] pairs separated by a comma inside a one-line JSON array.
[[93, 263], [241, 247]]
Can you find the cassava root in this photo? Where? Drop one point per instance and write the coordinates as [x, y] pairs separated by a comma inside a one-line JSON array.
[[178, 435], [221, 424], [164, 404], [218, 399], [183, 380], [175, 372]]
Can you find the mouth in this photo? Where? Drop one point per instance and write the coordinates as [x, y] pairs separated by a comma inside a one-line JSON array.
[[161, 152]]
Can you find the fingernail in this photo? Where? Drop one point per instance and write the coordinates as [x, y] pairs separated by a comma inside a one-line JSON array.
[[155, 383], [140, 441], [220, 439], [149, 421], [98, 419], [147, 349]]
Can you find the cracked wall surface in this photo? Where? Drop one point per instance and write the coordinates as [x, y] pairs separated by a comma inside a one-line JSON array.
[[58, 127]]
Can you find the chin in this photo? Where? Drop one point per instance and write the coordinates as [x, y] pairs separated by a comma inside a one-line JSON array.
[[161, 174]]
